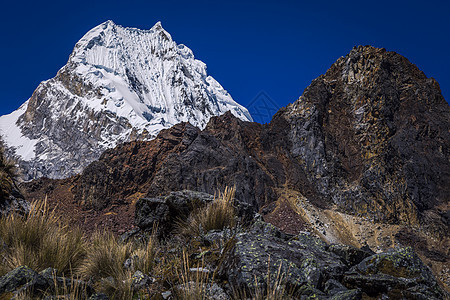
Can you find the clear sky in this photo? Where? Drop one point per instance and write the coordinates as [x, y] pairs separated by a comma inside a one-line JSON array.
[[273, 47]]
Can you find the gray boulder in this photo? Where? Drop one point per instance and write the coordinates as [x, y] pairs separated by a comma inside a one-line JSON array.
[[349, 254], [165, 211], [302, 263], [17, 278], [398, 274]]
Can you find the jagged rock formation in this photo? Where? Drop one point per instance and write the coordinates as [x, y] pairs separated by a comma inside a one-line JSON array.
[[309, 267], [362, 157], [372, 134], [119, 84]]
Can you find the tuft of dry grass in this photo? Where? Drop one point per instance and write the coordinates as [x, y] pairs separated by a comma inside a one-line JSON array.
[[105, 257], [218, 214], [274, 288], [40, 240], [145, 254], [193, 282], [105, 263]]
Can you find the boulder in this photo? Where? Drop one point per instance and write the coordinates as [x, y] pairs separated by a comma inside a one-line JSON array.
[[24, 278], [140, 281], [349, 254], [398, 273], [263, 254], [18, 277], [165, 211]]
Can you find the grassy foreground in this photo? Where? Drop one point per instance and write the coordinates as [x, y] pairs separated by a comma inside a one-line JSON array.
[[41, 240]]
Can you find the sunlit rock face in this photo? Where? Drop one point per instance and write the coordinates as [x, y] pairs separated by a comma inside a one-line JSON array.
[[372, 134]]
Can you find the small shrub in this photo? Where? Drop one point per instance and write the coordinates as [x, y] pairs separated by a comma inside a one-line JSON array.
[[219, 214], [40, 240], [105, 263], [193, 283]]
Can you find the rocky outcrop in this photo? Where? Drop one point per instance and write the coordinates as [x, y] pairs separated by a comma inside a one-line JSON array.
[[229, 152], [398, 274], [165, 211], [372, 134], [306, 266]]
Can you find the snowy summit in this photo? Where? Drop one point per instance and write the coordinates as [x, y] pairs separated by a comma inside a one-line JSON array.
[[119, 84]]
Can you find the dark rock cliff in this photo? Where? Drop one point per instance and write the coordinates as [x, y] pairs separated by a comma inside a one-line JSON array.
[[373, 135]]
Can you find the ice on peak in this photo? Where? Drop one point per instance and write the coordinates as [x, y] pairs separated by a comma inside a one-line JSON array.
[[157, 26]]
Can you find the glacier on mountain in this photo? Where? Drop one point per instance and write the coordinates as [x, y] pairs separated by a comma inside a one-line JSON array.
[[119, 84]]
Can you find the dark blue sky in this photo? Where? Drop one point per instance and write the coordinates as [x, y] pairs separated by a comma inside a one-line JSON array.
[[277, 47]]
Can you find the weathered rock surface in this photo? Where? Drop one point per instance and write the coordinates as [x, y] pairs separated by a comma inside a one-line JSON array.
[[350, 255], [17, 278], [165, 211], [38, 284], [396, 274], [307, 266], [262, 252]]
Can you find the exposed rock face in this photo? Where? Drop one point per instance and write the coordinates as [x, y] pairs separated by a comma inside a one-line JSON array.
[[395, 274], [262, 251], [372, 134], [228, 152], [308, 266], [120, 84]]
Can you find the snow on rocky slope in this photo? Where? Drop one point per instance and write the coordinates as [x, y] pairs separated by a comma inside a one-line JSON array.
[[120, 84]]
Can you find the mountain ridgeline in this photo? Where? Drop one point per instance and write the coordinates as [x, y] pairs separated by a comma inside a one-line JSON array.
[[119, 84]]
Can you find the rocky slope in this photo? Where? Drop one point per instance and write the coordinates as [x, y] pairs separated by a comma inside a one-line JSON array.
[[362, 157], [120, 84]]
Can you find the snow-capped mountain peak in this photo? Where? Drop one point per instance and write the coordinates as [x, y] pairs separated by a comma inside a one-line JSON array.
[[119, 84]]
